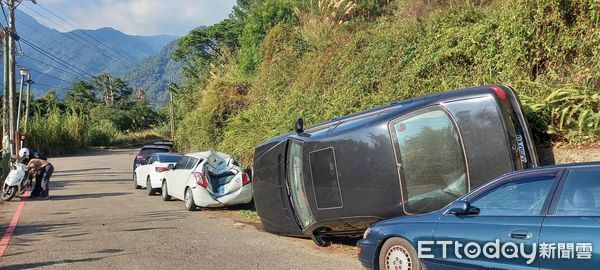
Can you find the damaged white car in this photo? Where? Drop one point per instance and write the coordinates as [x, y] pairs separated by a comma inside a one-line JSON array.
[[207, 179]]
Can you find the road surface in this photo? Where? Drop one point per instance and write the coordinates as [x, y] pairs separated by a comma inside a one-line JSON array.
[[96, 220]]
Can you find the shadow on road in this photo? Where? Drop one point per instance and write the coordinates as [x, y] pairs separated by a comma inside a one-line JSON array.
[[81, 170], [87, 196], [51, 263], [149, 229], [108, 173]]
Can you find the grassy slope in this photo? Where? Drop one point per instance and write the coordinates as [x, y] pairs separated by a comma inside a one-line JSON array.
[[547, 50]]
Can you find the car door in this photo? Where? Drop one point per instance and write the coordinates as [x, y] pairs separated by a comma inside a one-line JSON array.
[[141, 171], [183, 175], [510, 216], [147, 166], [174, 181], [570, 236]]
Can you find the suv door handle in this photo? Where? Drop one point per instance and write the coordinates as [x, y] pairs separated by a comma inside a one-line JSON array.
[[520, 235]]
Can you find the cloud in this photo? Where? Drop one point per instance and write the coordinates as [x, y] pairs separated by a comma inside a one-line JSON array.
[[140, 17]]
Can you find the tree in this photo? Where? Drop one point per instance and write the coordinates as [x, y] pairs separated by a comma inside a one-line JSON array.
[[261, 18], [142, 116], [46, 103], [120, 118], [115, 92], [204, 46], [81, 97]]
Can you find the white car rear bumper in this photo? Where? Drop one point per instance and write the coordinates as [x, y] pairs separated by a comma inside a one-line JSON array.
[[203, 198]]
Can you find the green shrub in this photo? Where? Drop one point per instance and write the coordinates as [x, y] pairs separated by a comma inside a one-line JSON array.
[[102, 133]]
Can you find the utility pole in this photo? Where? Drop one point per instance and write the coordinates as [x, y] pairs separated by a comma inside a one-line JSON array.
[[12, 84], [5, 125]]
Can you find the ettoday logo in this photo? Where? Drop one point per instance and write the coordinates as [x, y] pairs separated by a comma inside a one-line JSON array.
[[508, 250]]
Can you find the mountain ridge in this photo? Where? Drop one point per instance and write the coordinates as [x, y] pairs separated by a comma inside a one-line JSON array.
[[116, 53]]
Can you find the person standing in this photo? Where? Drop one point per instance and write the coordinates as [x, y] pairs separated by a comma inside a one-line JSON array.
[[44, 169]]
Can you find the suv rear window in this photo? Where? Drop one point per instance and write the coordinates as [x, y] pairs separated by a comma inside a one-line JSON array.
[[149, 151]]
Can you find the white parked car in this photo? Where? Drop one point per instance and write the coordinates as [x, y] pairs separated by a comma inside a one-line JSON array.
[[149, 173], [207, 179]]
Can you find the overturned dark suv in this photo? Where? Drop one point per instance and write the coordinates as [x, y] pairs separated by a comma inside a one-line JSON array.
[[409, 157]]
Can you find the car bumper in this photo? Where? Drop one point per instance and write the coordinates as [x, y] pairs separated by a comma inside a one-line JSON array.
[[367, 253], [156, 180], [203, 198]]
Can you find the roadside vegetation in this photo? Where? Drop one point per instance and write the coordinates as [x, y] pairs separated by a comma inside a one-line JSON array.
[[272, 61], [102, 112]]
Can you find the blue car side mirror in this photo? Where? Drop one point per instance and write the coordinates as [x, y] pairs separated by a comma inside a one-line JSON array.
[[462, 208]]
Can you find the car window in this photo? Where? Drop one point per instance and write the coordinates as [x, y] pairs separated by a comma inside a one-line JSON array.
[[431, 158], [296, 184], [191, 163], [580, 195], [181, 163], [325, 178], [169, 158], [149, 151], [524, 197], [151, 159], [146, 161]]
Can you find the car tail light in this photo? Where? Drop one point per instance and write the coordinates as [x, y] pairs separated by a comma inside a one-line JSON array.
[[161, 169], [139, 157], [245, 178], [499, 92], [200, 179]]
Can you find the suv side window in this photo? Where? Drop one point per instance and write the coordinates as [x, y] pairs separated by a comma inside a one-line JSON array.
[[181, 163], [523, 197], [580, 194]]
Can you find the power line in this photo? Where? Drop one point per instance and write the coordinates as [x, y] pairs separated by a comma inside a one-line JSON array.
[[80, 40], [54, 58], [117, 52], [48, 75], [52, 55], [53, 87], [64, 71], [4, 13]]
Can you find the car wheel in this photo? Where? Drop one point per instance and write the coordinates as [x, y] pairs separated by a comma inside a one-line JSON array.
[[190, 205], [149, 188], [165, 193], [135, 184], [397, 253]]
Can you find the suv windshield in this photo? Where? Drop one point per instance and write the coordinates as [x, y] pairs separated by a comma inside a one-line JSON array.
[[296, 185]]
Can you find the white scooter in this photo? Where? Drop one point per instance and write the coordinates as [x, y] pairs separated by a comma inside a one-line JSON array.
[[16, 183]]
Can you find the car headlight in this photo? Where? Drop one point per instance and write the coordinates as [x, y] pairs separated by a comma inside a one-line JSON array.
[[366, 233]]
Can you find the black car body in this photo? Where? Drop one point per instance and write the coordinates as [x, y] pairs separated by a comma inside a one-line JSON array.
[[409, 157], [148, 150]]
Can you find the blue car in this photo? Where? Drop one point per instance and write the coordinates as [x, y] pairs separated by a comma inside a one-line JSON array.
[[541, 218]]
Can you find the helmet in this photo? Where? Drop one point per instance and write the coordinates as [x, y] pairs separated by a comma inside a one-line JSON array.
[[24, 153]]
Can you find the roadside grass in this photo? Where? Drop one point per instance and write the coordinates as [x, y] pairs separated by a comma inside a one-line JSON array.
[[249, 215], [136, 138]]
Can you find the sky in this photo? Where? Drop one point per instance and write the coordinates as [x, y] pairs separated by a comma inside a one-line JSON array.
[[133, 17]]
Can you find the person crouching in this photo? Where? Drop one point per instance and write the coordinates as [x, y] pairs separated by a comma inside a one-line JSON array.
[[43, 168]]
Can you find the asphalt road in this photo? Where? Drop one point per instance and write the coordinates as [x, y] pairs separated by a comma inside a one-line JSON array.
[[96, 220]]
